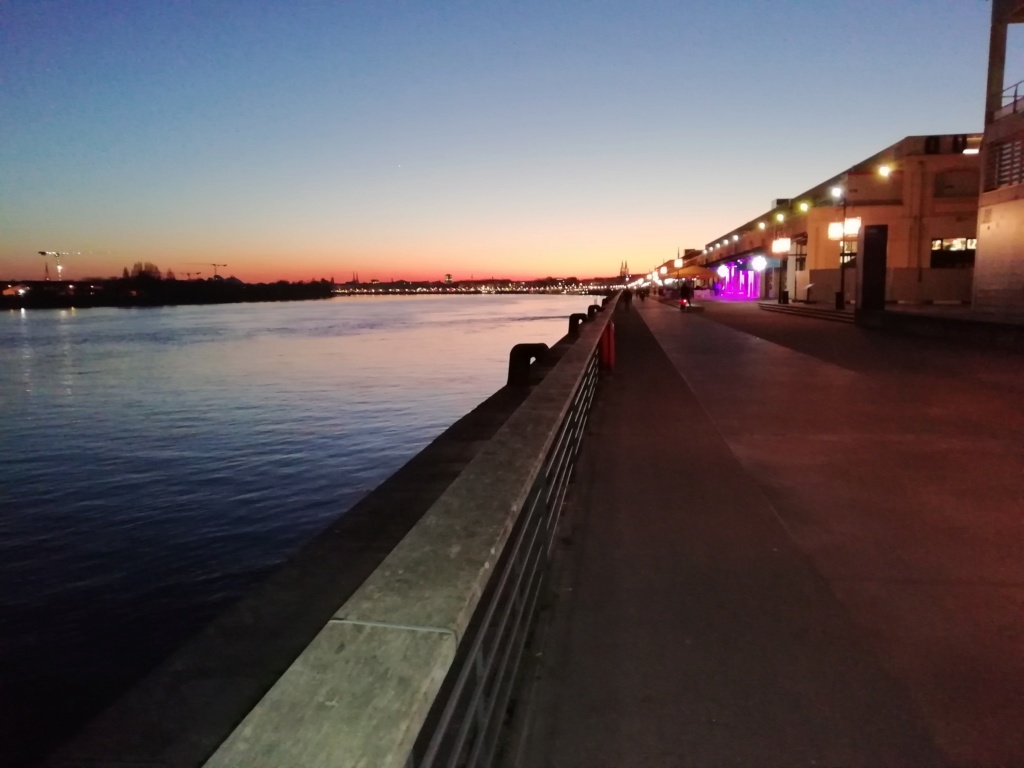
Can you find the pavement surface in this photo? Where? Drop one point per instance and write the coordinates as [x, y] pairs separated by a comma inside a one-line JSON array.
[[790, 542]]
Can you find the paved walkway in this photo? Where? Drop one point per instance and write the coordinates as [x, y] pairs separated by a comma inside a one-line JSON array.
[[774, 560]]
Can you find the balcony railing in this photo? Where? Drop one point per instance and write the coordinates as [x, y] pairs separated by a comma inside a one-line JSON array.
[[1012, 101]]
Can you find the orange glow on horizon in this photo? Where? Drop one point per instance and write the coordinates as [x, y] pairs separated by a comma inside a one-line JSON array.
[[573, 245]]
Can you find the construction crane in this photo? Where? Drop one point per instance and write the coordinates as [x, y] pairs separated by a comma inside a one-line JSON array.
[[208, 264], [56, 256]]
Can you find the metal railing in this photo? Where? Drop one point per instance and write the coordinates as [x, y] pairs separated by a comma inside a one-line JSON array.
[[1012, 100], [463, 729], [417, 667]]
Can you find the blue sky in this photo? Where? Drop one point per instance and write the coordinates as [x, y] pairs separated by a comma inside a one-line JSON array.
[[411, 139]]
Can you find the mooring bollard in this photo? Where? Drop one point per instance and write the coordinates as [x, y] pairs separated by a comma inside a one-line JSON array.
[[592, 311], [574, 323], [519, 360]]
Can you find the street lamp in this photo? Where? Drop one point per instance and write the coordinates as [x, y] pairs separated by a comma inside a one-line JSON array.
[[839, 194], [779, 247]]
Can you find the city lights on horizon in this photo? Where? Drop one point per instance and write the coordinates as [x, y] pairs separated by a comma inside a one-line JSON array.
[[270, 271]]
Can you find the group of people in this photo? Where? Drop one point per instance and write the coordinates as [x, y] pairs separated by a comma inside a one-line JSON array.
[[627, 296], [686, 293]]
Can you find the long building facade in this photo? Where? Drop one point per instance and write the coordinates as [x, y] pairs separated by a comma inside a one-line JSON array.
[[804, 248]]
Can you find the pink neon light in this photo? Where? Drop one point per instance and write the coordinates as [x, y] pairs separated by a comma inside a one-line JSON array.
[[741, 283]]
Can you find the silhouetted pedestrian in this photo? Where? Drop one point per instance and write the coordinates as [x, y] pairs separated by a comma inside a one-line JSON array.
[[685, 295]]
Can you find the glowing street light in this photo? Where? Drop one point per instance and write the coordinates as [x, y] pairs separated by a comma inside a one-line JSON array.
[[759, 263], [884, 171]]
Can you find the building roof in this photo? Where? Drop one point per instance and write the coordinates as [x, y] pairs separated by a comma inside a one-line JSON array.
[[907, 147]]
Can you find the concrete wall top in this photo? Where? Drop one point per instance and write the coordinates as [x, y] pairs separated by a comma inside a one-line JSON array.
[[1008, 11], [358, 695]]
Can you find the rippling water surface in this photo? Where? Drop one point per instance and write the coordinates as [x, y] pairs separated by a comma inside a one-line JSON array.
[[157, 462]]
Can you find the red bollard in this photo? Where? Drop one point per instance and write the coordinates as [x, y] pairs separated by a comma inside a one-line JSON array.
[[606, 347]]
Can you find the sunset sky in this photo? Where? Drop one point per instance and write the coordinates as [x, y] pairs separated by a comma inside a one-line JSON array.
[[411, 139]]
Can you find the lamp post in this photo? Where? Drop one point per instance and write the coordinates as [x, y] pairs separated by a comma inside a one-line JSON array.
[[838, 193], [778, 250]]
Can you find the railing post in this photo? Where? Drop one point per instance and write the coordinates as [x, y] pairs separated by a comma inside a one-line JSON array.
[[519, 360], [592, 311], [574, 323]]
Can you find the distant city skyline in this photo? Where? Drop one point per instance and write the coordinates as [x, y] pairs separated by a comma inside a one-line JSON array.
[[308, 140]]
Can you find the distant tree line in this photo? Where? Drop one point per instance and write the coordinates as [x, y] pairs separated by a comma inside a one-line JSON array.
[[145, 285], [145, 271]]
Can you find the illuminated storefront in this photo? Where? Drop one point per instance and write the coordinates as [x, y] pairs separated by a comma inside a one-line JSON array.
[[742, 279]]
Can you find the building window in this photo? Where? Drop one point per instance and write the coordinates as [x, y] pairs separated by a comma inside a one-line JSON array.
[[848, 253], [953, 253], [960, 182]]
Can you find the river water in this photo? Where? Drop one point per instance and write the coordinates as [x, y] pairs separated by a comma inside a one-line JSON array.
[[157, 462]]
